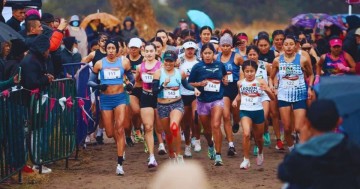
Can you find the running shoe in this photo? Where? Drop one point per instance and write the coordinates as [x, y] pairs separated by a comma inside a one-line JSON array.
[[129, 142], [211, 153], [44, 170], [187, 152], [152, 163], [197, 146], [161, 149], [100, 140], [267, 139], [260, 159], [235, 128], [180, 160], [256, 150], [245, 164], [138, 138], [193, 141], [218, 160], [120, 170], [231, 151], [279, 145]]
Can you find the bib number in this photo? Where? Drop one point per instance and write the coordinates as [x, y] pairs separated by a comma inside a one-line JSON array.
[[112, 73], [212, 87], [250, 101], [230, 77], [168, 93], [291, 83], [147, 78]]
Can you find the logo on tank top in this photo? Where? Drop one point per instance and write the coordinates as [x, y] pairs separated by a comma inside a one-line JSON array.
[[250, 90], [213, 70]]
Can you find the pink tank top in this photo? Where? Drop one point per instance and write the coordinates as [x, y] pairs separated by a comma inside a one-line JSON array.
[[148, 75]]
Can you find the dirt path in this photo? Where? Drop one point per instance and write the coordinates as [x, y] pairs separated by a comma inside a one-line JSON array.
[[96, 169]]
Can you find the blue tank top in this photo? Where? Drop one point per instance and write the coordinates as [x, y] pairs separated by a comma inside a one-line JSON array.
[[237, 50], [175, 82], [231, 67], [292, 87], [111, 73]]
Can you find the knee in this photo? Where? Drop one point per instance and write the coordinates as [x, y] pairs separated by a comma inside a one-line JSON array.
[[148, 128], [227, 118], [109, 135], [246, 136], [120, 130]]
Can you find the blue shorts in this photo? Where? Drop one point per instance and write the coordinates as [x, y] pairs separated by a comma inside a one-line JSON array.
[[110, 102], [256, 116], [295, 105]]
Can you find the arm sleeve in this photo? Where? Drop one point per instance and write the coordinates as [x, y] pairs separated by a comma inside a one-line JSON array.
[[156, 87], [130, 76], [6, 84], [186, 85], [55, 40], [93, 80]]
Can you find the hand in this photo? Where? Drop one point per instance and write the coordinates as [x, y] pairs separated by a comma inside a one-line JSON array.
[[310, 93], [342, 67], [225, 80], [103, 87], [202, 83], [234, 103], [16, 79], [317, 79], [167, 80], [197, 92], [263, 85], [63, 24], [50, 77], [129, 87]]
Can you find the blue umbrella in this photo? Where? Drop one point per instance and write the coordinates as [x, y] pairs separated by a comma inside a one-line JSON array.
[[345, 92], [200, 18]]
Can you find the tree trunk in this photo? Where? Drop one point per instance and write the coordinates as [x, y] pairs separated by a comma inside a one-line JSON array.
[[142, 13]]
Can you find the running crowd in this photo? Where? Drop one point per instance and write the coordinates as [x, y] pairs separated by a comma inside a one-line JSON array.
[[185, 83]]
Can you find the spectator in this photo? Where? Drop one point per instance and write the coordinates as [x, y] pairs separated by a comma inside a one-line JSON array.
[[70, 53], [327, 159], [182, 26], [2, 4], [18, 15], [129, 30], [17, 53], [76, 31], [93, 29], [349, 44], [55, 35], [37, 71]]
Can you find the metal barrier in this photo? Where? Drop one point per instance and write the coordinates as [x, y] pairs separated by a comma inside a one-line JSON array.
[[53, 122], [13, 118], [70, 69]]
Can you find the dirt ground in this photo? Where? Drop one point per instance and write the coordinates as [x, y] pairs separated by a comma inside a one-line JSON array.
[[96, 169]]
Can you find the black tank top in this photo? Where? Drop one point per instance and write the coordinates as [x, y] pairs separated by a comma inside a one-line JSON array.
[[98, 56], [135, 63], [268, 57]]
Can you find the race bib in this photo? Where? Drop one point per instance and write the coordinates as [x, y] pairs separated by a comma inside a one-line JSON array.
[[290, 83], [249, 101], [168, 93], [147, 78], [212, 87], [112, 73], [230, 77]]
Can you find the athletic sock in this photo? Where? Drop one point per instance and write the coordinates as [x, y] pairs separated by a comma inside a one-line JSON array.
[[231, 144], [99, 132], [120, 160]]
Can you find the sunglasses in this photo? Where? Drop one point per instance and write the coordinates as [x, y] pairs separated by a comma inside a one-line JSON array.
[[306, 48]]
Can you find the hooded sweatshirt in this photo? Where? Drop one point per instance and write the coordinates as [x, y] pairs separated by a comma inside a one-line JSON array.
[[127, 34], [349, 44]]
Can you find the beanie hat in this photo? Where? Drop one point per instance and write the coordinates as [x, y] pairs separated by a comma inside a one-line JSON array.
[[226, 39], [32, 12], [323, 115], [40, 44]]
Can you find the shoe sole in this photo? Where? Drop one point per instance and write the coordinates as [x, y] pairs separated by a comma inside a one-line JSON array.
[[187, 156], [279, 148], [151, 166], [218, 164], [244, 168], [119, 174], [231, 153], [161, 152]]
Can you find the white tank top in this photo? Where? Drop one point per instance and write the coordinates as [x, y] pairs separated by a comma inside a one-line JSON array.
[[186, 67], [251, 95]]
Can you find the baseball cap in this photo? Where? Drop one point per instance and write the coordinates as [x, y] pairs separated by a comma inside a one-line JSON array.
[[357, 32], [135, 42], [189, 44], [335, 42], [170, 55], [214, 40], [323, 115]]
